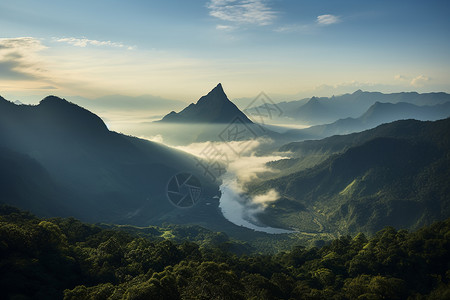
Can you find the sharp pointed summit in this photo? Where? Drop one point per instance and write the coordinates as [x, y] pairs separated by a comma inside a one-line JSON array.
[[215, 107], [218, 88]]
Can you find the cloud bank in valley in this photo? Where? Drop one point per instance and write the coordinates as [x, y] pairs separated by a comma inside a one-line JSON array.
[[241, 169]]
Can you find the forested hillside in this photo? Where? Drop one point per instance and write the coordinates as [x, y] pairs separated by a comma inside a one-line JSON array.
[[396, 174], [55, 258]]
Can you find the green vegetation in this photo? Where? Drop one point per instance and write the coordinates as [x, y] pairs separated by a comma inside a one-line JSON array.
[[396, 174], [55, 258]]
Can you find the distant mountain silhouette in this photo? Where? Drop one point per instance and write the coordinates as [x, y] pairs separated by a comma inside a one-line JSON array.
[[378, 114], [396, 174], [60, 159], [323, 110], [215, 107]]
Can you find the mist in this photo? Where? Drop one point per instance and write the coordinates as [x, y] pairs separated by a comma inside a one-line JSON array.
[[236, 204]]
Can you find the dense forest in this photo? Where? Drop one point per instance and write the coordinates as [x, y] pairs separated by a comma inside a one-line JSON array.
[[56, 258], [395, 174]]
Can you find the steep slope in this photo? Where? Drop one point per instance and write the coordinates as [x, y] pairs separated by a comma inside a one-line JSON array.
[[401, 180], [378, 114], [26, 183], [99, 175], [213, 118], [319, 108], [212, 108], [407, 129]]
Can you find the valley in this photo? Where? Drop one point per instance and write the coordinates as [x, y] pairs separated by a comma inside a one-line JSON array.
[[224, 150], [252, 179]]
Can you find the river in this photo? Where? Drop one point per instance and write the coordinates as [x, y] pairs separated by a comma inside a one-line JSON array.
[[233, 209]]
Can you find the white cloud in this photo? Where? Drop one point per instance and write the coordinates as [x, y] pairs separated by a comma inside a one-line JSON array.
[[400, 77], [83, 42], [419, 80], [321, 20], [353, 84], [270, 196], [243, 169], [157, 138], [225, 27], [21, 43], [327, 19], [19, 59], [242, 11], [225, 148]]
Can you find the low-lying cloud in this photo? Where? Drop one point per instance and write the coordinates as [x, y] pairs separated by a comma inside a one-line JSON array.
[[270, 196], [243, 168]]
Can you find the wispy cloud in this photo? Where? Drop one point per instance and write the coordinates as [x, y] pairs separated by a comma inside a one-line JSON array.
[[400, 77], [47, 87], [241, 169], [225, 27], [419, 80], [25, 43], [322, 20], [327, 19], [255, 12], [263, 199], [84, 42], [18, 60], [304, 28]]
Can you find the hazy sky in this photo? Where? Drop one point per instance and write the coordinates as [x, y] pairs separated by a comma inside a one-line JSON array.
[[181, 49]]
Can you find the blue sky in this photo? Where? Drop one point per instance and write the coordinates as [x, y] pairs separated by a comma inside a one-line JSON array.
[[181, 49]]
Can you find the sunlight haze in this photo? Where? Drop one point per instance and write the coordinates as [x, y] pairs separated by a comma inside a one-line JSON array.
[[179, 49]]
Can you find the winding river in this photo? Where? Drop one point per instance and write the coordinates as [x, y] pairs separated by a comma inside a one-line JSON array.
[[233, 210]]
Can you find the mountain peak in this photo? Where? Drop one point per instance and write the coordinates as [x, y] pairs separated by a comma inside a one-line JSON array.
[[216, 95], [69, 115], [5, 103], [215, 107], [218, 87], [54, 101], [51, 99]]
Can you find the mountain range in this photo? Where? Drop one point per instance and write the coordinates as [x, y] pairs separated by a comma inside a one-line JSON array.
[[59, 159], [396, 174], [325, 110], [380, 113]]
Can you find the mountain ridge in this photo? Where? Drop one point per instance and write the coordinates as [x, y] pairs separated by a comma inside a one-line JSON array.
[[369, 180], [325, 110], [100, 175], [377, 114], [215, 107]]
